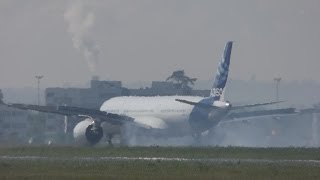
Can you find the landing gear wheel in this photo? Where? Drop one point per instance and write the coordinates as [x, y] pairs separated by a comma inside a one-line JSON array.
[[109, 137], [216, 136], [197, 139]]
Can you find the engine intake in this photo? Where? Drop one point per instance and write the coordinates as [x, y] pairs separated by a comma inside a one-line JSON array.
[[94, 133]]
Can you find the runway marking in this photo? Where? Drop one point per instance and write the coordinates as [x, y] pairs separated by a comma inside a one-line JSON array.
[[207, 160]]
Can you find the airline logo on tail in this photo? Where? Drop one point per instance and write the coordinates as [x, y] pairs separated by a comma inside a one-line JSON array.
[[222, 73]]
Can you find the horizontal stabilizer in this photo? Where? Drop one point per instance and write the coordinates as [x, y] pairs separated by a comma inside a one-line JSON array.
[[196, 104]]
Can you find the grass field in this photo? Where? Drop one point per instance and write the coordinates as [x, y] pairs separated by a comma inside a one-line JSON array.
[[138, 169]]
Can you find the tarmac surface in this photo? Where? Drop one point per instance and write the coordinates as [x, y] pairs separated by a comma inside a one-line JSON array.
[[165, 159]]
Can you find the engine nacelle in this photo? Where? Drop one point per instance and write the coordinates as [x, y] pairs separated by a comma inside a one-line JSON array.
[[87, 132], [94, 133]]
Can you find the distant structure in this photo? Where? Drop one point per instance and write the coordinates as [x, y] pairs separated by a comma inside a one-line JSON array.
[[1, 96], [92, 97], [277, 81], [101, 91], [159, 88], [24, 127], [38, 81], [176, 84], [13, 125]]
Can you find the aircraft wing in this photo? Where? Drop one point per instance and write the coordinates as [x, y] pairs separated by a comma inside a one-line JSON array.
[[255, 105], [232, 108], [76, 111], [310, 110], [244, 116]]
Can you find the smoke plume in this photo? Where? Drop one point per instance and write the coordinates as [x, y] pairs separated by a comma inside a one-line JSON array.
[[80, 23]]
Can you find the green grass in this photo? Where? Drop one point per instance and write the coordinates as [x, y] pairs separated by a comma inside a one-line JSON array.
[[136, 169], [149, 170]]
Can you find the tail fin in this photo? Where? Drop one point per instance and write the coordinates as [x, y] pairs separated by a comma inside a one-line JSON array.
[[221, 77]]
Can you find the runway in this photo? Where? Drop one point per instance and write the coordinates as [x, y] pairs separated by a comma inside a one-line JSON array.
[[165, 159]]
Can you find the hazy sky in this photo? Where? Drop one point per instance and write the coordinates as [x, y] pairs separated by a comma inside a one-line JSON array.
[[144, 40]]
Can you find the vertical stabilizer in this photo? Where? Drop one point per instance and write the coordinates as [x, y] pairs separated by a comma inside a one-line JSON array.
[[221, 77]]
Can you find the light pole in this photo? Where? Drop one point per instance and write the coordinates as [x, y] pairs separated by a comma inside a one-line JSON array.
[[38, 79], [1, 96], [277, 80]]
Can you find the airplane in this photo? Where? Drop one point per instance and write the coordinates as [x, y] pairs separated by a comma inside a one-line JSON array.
[[160, 116]]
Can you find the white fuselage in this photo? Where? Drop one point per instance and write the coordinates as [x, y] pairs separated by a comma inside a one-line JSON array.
[[162, 108]]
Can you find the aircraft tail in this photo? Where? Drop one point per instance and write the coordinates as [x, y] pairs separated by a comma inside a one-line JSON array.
[[217, 90]]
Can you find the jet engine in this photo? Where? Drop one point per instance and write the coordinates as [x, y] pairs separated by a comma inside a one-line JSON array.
[[88, 132]]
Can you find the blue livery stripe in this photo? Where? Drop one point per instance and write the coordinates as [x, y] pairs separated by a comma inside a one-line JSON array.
[[222, 73]]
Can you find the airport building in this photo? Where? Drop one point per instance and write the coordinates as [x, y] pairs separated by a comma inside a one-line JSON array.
[[13, 124], [166, 88], [100, 91], [23, 127], [92, 97]]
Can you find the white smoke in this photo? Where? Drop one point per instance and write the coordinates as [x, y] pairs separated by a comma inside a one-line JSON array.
[[80, 23]]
